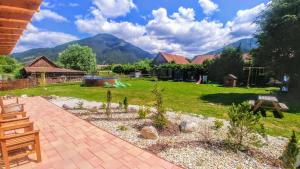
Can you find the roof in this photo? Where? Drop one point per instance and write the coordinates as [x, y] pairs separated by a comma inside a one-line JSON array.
[[30, 64], [50, 70], [176, 58], [232, 76], [14, 17], [201, 58], [43, 65]]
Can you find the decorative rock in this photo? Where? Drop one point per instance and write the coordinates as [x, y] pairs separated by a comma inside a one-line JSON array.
[[24, 96], [66, 107], [149, 132], [188, 126]]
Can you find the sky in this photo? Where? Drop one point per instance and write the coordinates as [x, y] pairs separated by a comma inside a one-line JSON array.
[[186, 27]]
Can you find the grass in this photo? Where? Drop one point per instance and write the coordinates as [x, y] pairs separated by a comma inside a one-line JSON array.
[[206, 99]]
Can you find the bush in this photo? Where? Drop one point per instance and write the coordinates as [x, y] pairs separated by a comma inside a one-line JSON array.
[[125, 103], [120, 107], [122, 128], [289, 156], [159, 119], [143, 112], [103, 106], [218, 124], [108, 104], [243, 125]]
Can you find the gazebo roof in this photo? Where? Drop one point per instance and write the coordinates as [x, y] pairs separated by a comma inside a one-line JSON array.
[[14, 17]]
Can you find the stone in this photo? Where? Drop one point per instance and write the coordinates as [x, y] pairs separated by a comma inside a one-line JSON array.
[[24, 96], [149, 132], [188, 126], [66, 107]]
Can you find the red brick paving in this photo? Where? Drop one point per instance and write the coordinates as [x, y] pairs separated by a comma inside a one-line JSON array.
[[68, 142]]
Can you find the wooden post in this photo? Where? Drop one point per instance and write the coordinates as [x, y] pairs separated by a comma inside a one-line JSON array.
[[5, 154]]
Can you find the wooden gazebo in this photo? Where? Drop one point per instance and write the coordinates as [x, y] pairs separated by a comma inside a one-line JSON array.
[[14, 17]]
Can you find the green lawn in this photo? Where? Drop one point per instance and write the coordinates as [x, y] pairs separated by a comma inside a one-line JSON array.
[[206, 99]]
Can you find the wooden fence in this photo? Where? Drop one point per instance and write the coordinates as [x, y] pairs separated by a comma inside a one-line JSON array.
[[35, 82]]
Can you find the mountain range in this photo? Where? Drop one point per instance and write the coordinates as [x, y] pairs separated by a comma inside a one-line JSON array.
[[245, 45], [108, 48]]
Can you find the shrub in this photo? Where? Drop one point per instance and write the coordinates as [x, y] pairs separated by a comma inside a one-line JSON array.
[[218, 124], [125, 103], [289, 156], [120, 107], [243, 125], [108, 104], [143, 112], [80, 105], [122, 128], [103, 106], [159, 119]]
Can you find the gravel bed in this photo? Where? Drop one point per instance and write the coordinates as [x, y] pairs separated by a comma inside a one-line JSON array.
[[188, 156]]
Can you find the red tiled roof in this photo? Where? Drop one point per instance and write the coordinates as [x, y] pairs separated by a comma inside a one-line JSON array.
[[50, 69], [176, 58], [201, 58]]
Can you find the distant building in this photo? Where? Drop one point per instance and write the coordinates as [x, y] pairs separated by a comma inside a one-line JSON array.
[[163, 58], [201, 58], [44, 65]]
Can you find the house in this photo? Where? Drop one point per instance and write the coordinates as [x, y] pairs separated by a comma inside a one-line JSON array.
[[163, 58], [44, 65], [201, 58]]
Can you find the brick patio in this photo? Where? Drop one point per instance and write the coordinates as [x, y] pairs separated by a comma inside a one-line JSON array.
[[71, 143]]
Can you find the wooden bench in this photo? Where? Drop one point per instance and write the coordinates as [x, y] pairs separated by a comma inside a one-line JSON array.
[[20, 145], [16, 121], [11, 107], [283, 107], [14, 128], [12, 115]]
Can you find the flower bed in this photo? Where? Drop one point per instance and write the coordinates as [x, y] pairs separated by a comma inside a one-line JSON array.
[[205, 147]]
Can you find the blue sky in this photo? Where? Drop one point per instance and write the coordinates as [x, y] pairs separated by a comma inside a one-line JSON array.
[[187, 27]]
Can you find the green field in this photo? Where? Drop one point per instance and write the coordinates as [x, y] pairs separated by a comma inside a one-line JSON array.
[[206, 99]]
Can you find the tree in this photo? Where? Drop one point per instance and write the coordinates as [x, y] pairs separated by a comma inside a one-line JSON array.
[[125, 103], [159, 119], [79, 58], [108, 104], [278, 38], [289, 156], [230, 62], [243, 124], [9, 65]]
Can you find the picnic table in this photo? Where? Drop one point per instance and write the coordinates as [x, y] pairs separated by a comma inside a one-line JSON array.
[[264, 103]]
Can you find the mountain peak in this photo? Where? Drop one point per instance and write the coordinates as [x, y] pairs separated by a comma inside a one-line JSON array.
[[108, 48]]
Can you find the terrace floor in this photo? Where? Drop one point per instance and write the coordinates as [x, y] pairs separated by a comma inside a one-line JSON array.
[[68, 142]]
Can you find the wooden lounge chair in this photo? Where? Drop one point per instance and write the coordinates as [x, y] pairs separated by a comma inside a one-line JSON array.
[[20, 145], [11, 107], [14, 128], [12, 115]]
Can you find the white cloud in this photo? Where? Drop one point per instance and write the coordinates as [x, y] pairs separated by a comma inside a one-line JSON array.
[[36, 38], [243, 24], [179, 32], [99, 24], [114, 8], [47, 4], [48, 14], [208, 6]]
